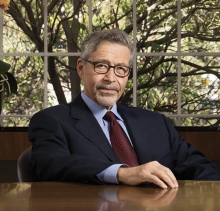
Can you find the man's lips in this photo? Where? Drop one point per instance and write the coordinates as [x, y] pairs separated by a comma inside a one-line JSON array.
[[108, 90]]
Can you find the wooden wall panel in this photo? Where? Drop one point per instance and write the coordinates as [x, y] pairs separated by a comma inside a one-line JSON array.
[[207, 142], [12, 144]]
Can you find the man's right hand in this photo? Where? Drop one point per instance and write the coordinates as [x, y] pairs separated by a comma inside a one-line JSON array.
[[152, 172]]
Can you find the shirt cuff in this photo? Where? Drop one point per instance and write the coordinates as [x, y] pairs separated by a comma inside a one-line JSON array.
[[109, 175]]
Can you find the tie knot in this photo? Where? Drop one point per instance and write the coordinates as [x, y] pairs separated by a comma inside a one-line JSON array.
[[109, 116]]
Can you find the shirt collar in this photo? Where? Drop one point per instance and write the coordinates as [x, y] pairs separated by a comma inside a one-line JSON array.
[[97, 110]]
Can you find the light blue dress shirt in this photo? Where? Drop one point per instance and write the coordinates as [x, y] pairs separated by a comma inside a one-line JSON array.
[[108, 175]]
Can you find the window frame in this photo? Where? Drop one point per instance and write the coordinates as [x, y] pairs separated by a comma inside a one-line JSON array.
[[178, 54]]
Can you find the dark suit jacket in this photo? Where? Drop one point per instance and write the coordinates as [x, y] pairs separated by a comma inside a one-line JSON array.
[[69, 144]]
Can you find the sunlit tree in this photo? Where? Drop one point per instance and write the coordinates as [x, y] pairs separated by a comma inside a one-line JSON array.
[[157, 27]]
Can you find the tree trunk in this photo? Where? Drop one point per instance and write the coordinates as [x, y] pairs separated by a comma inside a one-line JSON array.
[[72, 32], [54, 77]]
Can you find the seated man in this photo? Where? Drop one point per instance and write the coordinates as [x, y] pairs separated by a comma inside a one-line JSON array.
[[95, 140]]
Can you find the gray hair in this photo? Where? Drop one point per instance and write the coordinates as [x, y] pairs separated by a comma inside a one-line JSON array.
[[117, 36]]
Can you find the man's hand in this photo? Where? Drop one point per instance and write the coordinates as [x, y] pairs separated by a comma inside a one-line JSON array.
[[152, 172]]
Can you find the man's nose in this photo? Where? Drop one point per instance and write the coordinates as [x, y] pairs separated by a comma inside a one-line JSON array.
[[110, 75]]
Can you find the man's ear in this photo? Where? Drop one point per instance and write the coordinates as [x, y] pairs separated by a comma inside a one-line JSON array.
[[79, 67]]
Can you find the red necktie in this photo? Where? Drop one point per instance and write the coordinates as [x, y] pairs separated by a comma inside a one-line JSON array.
[[120, 143]]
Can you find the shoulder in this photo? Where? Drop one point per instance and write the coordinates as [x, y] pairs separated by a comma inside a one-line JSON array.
[[58, 112], [140, 112], [61, 111], [145, 117]]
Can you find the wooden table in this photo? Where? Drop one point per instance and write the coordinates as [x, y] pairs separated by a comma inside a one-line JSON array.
[[46, 196]]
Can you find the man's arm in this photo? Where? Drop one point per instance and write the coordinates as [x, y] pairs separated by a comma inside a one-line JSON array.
[[189, 163], [51, 156], [184, 162]]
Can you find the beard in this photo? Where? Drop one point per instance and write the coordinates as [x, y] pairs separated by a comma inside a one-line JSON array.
[[107, 93]]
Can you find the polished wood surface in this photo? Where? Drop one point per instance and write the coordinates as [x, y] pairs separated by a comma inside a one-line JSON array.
[[57, 196]]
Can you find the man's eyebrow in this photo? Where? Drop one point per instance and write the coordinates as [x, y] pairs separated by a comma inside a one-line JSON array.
[[108, 62], [103, 61]]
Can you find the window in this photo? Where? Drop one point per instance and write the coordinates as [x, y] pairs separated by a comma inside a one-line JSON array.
[[176, 70]]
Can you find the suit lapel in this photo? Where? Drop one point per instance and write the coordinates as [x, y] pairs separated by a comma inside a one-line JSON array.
[[137, 133], [85, 122]]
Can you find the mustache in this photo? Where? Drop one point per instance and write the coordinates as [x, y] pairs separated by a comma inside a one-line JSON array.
[[108, 86]]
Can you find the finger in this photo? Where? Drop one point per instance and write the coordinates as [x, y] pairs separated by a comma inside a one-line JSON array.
[[163, 173], [170, 175], [166, 179], [154, 179], [167, 176]]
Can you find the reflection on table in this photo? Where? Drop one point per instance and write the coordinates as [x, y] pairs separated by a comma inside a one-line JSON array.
[[190, 196]]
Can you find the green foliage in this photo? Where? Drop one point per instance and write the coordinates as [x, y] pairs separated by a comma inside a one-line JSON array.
[[157, 23], [8, 83]]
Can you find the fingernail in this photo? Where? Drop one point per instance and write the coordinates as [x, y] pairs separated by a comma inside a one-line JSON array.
[[164, 186]]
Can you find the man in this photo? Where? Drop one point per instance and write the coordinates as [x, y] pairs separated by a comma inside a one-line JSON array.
[[77, 142]]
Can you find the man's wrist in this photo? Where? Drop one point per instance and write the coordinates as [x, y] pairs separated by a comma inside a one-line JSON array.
[[109, 175], [121, 174]]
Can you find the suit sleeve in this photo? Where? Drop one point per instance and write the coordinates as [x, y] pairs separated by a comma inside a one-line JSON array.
[[189, 163], [51, 157]]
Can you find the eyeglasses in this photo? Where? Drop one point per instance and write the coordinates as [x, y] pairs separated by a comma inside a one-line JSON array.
[[102, 68]]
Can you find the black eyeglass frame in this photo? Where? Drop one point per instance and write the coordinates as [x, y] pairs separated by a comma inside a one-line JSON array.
[[109, 67]]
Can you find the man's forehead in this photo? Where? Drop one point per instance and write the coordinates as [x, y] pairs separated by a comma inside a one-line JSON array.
[[104, 44], [110, 48]]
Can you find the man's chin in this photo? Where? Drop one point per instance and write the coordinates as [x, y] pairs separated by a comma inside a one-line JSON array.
[[106, 101]]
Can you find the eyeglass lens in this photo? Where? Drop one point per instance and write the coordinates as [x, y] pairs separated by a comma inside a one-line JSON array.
[[119, 70]]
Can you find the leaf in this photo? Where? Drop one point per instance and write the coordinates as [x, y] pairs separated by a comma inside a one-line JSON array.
[[4, 67], [12, 83], [156, 47], [1, 100]]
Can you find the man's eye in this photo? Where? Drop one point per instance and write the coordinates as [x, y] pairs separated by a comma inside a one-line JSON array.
[[121, 69], [101, 66]]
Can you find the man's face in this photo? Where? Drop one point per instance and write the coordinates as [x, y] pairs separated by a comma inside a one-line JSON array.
[[104, 89]]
